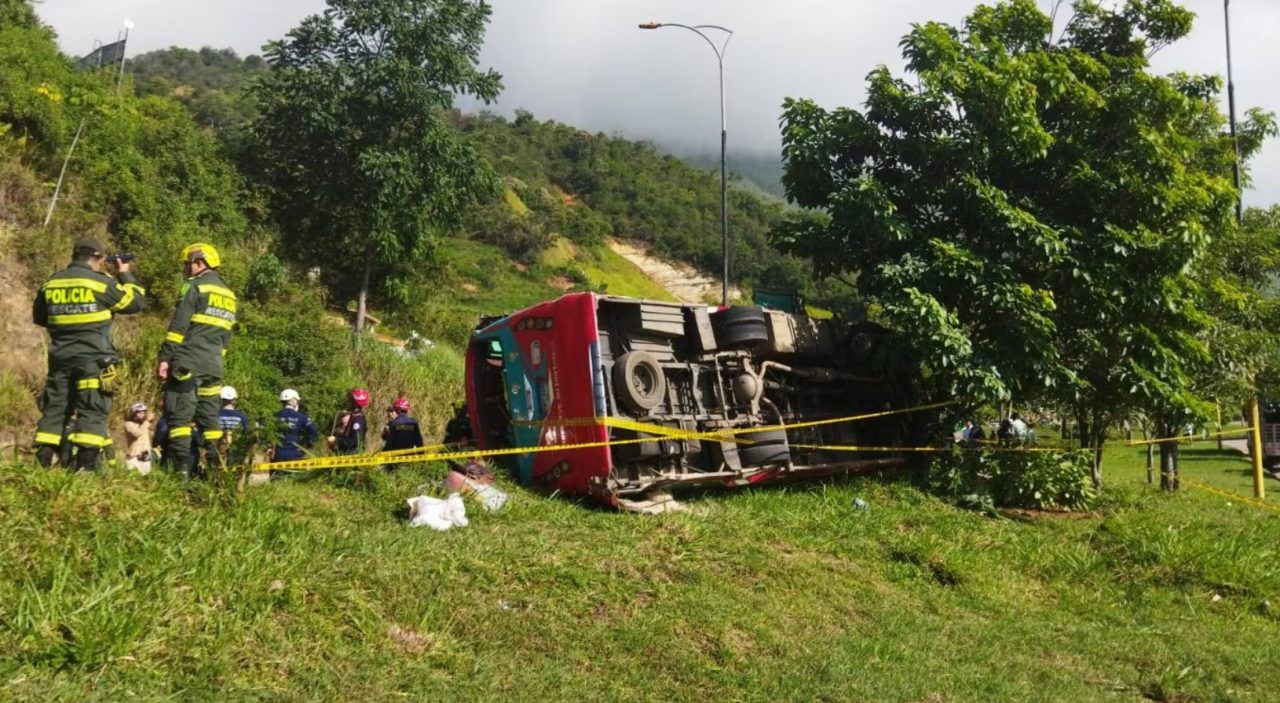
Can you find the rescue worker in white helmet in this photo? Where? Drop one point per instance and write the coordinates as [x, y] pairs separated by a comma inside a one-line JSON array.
[[296, 431], [235, 426]]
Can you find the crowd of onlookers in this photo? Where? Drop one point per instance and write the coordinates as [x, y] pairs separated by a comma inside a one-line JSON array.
[[1010, 430]]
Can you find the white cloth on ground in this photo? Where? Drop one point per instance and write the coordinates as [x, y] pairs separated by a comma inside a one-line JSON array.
[[437, 514]]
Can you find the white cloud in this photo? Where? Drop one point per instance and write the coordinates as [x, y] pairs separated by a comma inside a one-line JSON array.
[[585, 62]]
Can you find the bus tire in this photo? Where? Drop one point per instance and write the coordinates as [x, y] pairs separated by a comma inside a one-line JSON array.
[[638, 381], [740, 327], [753, 455], [768, 448]]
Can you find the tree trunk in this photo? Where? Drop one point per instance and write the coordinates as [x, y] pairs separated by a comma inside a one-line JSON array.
[[1091, 439], [363, 301], [1150, 454], [1169, 461]]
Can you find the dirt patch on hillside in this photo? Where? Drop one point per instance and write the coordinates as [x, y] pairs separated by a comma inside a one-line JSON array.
[[686, 283], [23, 361]]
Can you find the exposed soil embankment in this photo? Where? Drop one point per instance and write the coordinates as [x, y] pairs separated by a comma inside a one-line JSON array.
[[685, 282]]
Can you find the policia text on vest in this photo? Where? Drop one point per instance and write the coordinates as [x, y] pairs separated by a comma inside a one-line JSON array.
[[191, 357], [76, 305]]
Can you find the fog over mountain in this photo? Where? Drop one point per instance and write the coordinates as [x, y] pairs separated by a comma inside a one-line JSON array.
[[585, 62]]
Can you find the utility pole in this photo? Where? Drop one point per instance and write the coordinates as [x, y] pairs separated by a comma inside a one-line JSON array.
[[1231, 106], [724, 140]]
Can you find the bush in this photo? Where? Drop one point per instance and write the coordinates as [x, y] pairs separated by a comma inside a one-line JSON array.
[[1042, 480]]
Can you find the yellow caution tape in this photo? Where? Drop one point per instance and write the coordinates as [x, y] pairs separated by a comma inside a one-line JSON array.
[[1189, 440], [1228, 494], [858, 448], [658, 432]]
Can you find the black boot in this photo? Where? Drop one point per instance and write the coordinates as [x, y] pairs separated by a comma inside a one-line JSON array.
[[44, 455], [87, 458]]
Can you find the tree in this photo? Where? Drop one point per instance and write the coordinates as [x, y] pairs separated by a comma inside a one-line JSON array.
[[1027, 210], [362, 167]]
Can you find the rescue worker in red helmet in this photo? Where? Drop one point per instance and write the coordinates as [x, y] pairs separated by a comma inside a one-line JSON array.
[[352, 426], [401, 431]]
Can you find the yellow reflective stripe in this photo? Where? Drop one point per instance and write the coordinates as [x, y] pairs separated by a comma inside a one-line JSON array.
[[175, 337], [89, 440], [125, 300], [212, 434], [182, 376], [137, 289], [209, 390], [48, 438], [201, 319], [213, 288], [96, 286], [180, 432], [80, 318], [88, 383]]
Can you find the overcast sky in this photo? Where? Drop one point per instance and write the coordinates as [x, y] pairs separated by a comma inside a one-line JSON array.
[[586, 63]]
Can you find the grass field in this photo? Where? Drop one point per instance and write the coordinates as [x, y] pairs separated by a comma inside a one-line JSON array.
[[117, 586]]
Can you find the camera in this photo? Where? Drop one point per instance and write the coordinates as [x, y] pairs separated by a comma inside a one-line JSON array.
[[122, 257]]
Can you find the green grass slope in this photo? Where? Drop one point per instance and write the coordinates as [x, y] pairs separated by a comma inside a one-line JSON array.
[[316, 589]]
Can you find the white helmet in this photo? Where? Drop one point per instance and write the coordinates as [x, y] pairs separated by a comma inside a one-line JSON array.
[[289, 394], [229, 393]]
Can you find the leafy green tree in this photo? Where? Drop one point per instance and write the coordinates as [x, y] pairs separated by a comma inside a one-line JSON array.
[[1027, 208], [362, 169], [1239, 286]]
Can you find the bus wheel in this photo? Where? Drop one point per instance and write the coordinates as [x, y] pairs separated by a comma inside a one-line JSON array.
[[769, 448], [740, 327], [638, 381]]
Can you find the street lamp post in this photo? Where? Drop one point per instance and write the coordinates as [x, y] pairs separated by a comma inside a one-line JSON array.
[[724, 140]]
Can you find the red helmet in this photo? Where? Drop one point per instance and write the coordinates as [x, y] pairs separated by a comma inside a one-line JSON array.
[[360, 397], [401, 405]]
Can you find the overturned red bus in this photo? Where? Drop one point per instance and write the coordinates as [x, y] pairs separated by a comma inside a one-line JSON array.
[[589, 369]]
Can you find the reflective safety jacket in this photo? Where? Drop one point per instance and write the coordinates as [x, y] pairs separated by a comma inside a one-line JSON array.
[[76, 305], [402, 432], [296, 431], [201, 326]]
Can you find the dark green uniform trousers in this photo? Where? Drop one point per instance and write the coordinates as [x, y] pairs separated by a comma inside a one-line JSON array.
[[192, 397], [75, 389]]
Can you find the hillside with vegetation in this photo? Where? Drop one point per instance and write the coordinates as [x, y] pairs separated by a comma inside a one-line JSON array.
[[922, 585]]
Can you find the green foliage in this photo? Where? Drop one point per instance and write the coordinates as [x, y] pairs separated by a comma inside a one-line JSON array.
[[1237, 281], [361, 168], [210, 83], [1028, 211], [34, 83], [586, 186], [147, 588], [1043, 480], [266, 276], [288, 343]]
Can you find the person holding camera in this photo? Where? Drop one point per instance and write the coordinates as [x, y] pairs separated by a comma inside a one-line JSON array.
[[191, 357], [76, 305]]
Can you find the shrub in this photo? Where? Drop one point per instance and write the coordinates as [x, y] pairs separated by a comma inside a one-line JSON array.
[[1031, 479]]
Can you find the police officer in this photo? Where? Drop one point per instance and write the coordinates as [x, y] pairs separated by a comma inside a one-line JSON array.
[[191, 356], [401, 430], [296, 430], [76, 306], [352, 426]]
